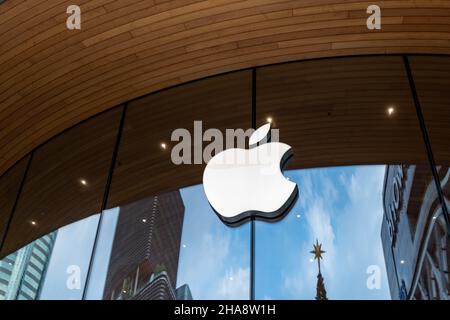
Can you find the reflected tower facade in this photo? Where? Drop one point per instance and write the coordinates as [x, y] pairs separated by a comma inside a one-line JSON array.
[[23, 272], [144, 257], [414, 234]]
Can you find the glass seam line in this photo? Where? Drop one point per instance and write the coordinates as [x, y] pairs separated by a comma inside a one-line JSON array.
[[427, 141], [16, 201], [105, 195], [252, 222]]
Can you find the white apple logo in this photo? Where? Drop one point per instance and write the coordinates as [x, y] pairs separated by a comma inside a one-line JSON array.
[[244, 183]]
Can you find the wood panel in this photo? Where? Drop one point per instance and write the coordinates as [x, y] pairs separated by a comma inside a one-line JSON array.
[[52, 78]]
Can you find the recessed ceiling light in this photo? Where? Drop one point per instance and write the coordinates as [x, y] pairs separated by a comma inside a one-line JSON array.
[[269, 120], [163, 145], [83, 182], [390, 111], [33, 223]]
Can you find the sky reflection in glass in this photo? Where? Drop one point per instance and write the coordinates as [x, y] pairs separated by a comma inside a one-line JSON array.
[[341, 207]]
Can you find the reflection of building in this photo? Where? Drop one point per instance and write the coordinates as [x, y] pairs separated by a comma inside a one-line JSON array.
[[22, 272], [413, 233], [158, 288], [145, 252], [184, 293]]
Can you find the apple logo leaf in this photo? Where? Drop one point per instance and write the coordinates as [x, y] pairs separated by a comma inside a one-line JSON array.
[[262, 133]]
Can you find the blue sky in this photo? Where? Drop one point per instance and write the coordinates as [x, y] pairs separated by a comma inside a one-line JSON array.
[[73, 247], [214, 258]]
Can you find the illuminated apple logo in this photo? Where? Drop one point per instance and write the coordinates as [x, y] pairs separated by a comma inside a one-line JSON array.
[[245, 183]]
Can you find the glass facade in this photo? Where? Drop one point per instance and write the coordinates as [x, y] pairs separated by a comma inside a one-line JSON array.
[[102, 212]]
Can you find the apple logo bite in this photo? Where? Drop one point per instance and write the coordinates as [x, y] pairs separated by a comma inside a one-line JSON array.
[[244, 183]]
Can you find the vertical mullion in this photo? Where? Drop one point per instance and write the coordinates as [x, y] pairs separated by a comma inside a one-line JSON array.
[[105, 196], [252, 222], [16, 201], [427, 142]]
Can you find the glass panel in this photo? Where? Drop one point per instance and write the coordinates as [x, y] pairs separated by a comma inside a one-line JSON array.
[[336, 206], [102, 254], [170, 246], [340, 112], [144, 167], [68, 266], [432, 78], [66, 180], [144, 255], [51, 267], [214, 259], [9, 187], [172, 231]]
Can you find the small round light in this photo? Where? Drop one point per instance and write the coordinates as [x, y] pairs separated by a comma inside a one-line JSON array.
[[144, 220], [33, 223], [184, 246], [269, 120], [402, 261], [434, 217], [298, 216], [83, 182], [390, 111], [163, 145]]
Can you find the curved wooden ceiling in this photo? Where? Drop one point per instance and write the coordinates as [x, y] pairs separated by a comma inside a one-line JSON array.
[[52, 78]]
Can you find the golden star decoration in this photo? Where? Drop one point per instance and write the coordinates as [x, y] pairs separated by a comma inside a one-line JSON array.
[[317, 250]]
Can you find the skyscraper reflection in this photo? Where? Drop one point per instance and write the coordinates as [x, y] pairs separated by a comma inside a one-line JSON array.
[[145, 252], [23, 272]]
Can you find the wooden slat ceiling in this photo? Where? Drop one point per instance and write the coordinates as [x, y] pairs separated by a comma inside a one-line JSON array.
[[52, 78]]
